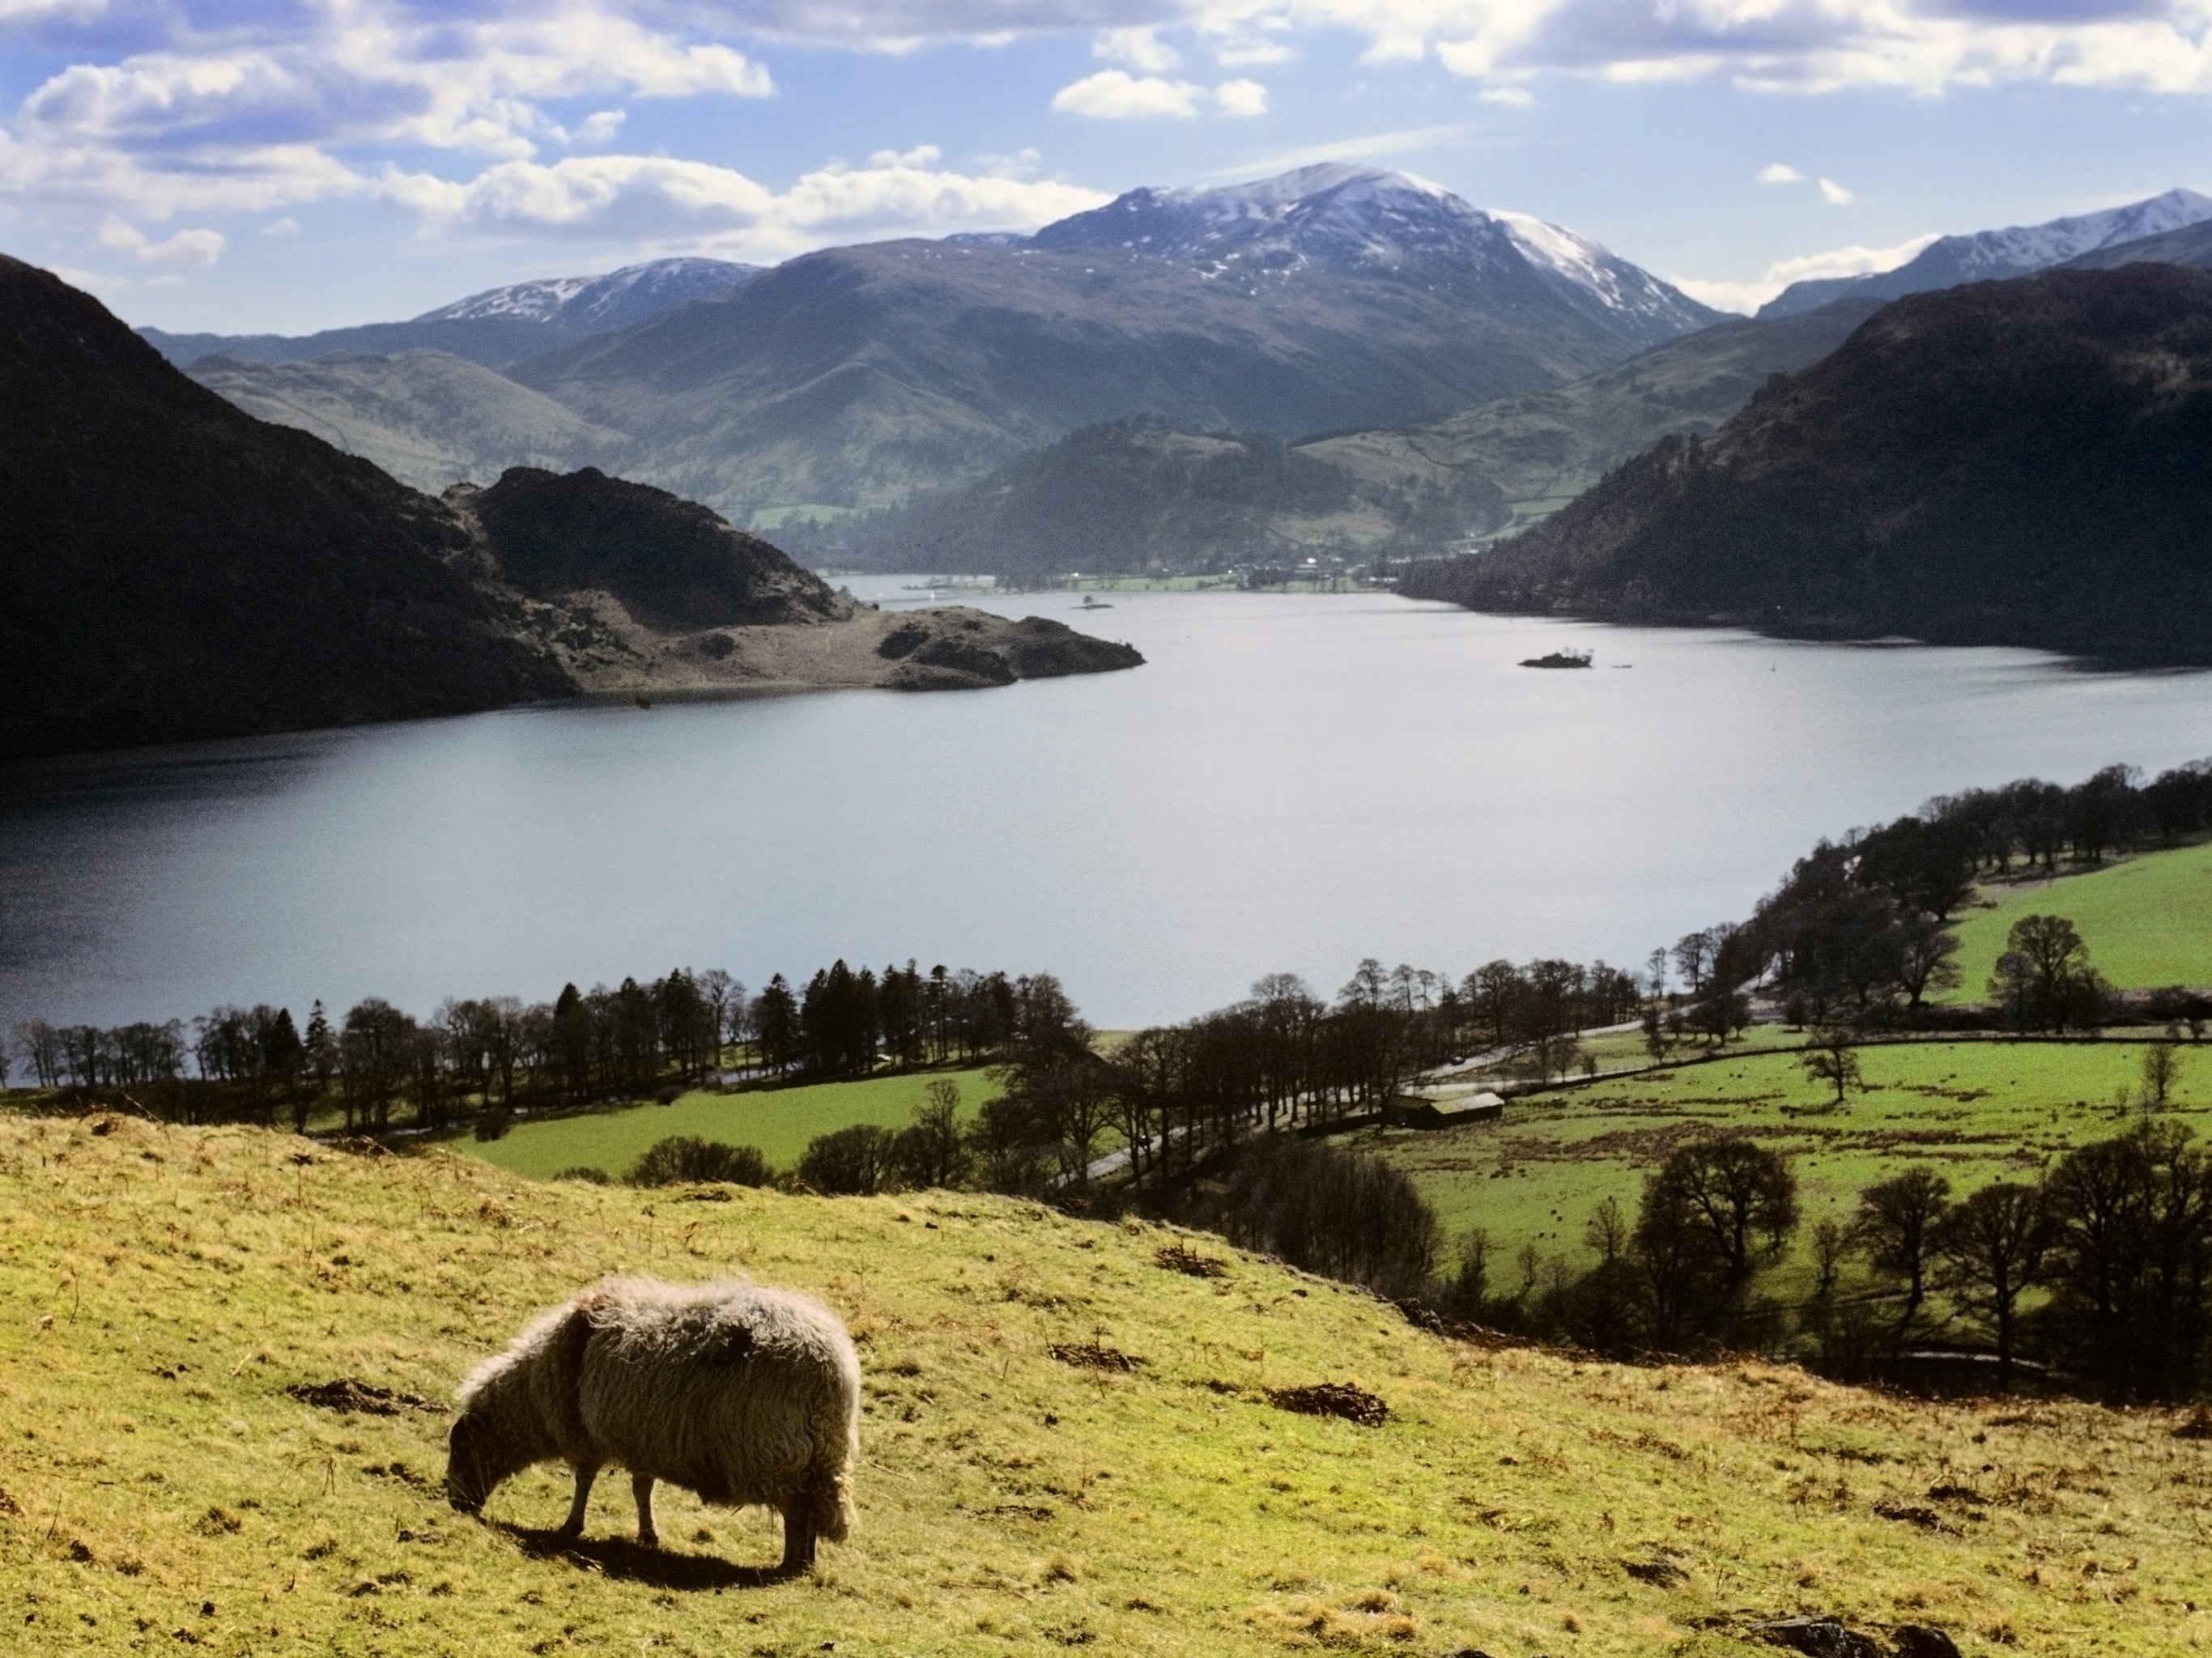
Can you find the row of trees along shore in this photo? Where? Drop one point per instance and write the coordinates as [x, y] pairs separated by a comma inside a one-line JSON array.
[[486, 1059], [1856, 934]]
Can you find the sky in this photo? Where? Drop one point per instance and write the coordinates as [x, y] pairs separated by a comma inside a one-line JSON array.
[[267, 165]]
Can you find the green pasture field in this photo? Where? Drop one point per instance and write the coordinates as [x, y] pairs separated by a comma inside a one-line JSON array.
[[779, 1121], [1976, 1110], [2148, 922], [162, 1489]]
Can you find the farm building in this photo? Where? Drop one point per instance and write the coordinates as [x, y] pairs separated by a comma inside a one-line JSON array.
[[1444, 1107]]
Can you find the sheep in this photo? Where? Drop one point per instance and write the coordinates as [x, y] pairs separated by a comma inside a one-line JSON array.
[[739, 1394]]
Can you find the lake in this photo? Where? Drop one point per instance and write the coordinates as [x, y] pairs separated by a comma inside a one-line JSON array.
[[1293, 782]]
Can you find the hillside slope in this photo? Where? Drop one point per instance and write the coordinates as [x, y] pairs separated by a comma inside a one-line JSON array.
[[177, 568], [170, 1285], [1540, 450], [2010, 463], [430, 419], [1137, 496]]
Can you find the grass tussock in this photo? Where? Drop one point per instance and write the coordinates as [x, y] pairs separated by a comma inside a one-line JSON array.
[[161, 1487]]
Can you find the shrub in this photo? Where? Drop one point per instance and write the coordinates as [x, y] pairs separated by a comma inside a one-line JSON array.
[[587, 1173], [856, 1161], [684, 1159]]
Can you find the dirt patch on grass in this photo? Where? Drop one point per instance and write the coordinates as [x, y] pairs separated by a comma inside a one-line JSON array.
[[1337, 1398], [1095, 1355], [349, 1397], [1180, 1257]]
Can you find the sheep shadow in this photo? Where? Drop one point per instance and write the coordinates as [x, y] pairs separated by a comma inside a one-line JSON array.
[[620, 1558]]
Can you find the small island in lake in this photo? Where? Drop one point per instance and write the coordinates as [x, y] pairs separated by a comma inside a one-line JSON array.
[[1559, 660]]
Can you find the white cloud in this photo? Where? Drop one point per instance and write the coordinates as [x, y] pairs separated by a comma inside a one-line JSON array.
[[1114, 94], [1780, 172], [287, 226], [1411, 141], [1833, 193], [1853, 261], [600, 126], [1241, 98], [669, 205], [1140, 48], [1511, 97], [198, 248]]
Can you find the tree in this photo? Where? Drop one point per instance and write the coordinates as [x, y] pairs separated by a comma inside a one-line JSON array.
[[775, 1025], [2130, 1260], [1990, 1250], [1731, 1188], [931, 1152], [1926, 958], [2161, 1066], [1895, 1227], [2044, 978], [1831, 1057]]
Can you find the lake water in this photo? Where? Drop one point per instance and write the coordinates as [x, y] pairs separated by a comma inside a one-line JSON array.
[[1293, 782]]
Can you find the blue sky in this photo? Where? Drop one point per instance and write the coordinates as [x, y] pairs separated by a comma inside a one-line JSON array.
[[272, 165]]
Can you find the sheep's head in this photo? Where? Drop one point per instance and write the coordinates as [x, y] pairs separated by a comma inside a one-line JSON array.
[[471, 1462]]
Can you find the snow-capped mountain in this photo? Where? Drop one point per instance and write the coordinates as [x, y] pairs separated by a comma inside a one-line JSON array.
[[1336, 220], [596, 305], [496, 327], [1994, 255]]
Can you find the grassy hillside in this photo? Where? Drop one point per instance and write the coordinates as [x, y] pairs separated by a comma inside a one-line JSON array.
[[1975, 1110], [2148, 922], [167, 1285], [780, 1121]]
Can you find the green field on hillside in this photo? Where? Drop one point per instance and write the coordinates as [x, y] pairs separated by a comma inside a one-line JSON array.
[[165, 1287], [2148, 922], [779, 1121], [1975, 1109]]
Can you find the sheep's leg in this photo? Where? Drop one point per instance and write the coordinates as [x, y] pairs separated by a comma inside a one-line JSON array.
[[797, 1537], [572, 1527], [640, 1485]]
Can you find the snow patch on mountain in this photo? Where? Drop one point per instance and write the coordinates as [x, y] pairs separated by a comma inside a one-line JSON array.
[[1335, 219], [597, 304], [1995, 255]]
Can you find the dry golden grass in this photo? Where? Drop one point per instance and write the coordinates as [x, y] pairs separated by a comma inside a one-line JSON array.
[[163, 1287]]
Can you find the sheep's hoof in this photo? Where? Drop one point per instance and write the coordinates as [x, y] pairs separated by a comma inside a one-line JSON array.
[[649, 1540], [567, 1533]]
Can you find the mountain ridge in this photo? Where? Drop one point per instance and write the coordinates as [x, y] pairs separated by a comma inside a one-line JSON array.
[[2014, 463], [2014, 251], [494, 327]]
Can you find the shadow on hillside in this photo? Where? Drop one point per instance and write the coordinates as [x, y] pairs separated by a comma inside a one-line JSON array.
[[620, 1558]]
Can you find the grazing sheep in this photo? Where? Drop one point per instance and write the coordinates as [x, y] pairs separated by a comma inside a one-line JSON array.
[[739, 1394]]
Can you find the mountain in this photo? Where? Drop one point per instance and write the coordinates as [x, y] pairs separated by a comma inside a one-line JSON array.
[[1141, 495], [428, 418], [180, 569], [1137, 496], [1336, 219], [2189, 246], [1333, 297], [494, 327], [177, 568], [2006, 462], [1991, 255], [1539, 451], [584, 305]]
